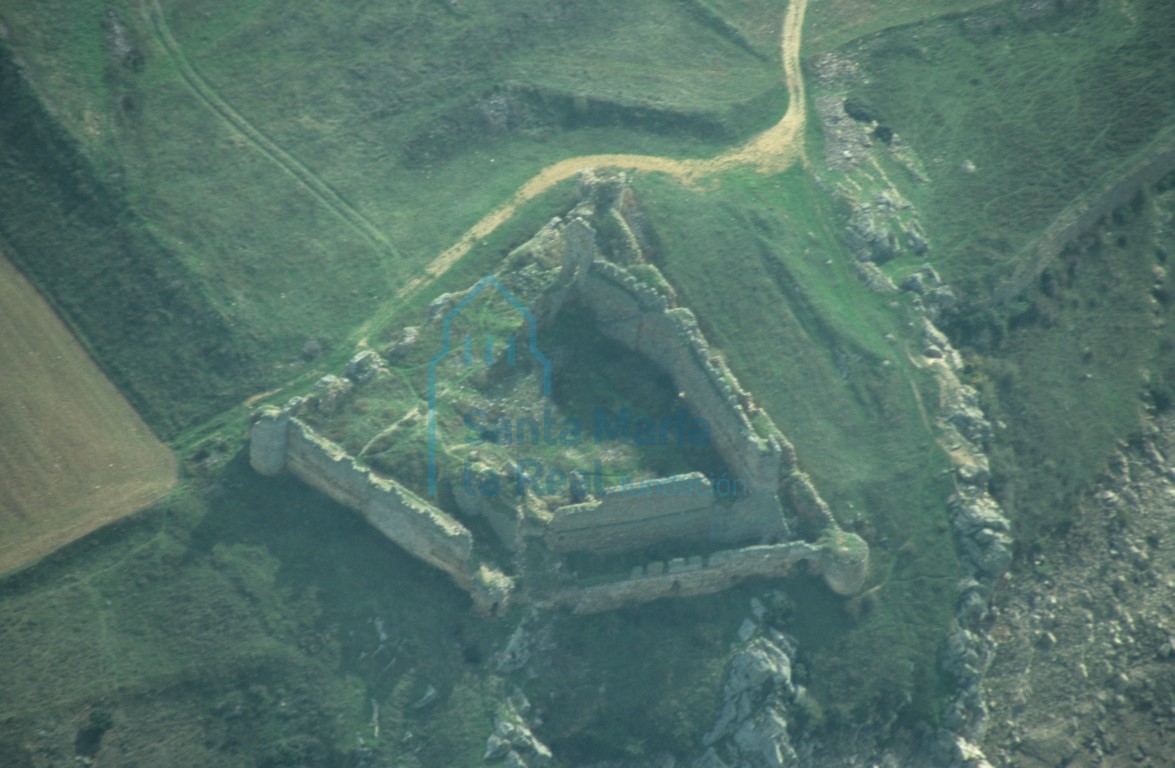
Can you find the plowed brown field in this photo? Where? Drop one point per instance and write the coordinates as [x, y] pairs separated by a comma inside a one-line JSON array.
[[74, 455]]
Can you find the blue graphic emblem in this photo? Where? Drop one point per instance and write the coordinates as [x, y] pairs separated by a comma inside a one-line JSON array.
[[483, 351]]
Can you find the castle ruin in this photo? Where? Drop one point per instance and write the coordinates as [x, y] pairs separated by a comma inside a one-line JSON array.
[[744, 524]]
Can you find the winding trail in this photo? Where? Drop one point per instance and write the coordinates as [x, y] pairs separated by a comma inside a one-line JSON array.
[[206, 93], [773, 151]]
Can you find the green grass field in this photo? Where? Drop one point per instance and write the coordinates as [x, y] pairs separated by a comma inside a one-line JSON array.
[[1014, 119], [1043, 112]]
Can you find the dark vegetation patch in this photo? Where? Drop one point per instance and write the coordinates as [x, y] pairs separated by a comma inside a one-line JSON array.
[[251, 623], [638, 682], [139, 311], [295, 618], [1071, 365]]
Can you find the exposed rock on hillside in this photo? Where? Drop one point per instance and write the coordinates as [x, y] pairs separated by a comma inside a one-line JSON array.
[[1084, 672], [883, 229], [752, 729], [512, 743]]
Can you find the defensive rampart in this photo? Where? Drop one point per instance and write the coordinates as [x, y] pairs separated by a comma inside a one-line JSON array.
[[637, 316], [281, 442], [683, 577], [681, 508], [633, 306]]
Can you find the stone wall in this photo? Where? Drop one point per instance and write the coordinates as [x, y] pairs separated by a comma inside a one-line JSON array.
[[682, 508], [637, 316], [281, 442], [504, 519], [744, 507], [683, 577], [1143, 170]]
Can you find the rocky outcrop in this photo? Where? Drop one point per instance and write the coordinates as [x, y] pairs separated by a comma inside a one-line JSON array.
[[1084, 673], [883, 229], [752, 729], [512, 743], [981, 531]]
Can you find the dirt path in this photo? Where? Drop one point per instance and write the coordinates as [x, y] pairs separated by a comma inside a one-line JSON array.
[[773, 151], [73, 453], [208, 95]]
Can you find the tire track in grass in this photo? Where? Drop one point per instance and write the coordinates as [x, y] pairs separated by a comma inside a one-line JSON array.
[[211, 99], [772, 151]]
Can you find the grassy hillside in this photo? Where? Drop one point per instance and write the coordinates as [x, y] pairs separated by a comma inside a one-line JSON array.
[[1014, 119], [1015, 114], [140, 312], [221, 200], [759, 260], [224, 631], [300, 166]]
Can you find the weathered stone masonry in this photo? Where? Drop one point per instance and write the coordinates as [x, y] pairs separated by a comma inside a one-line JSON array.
[[746, 511], [281, 442]]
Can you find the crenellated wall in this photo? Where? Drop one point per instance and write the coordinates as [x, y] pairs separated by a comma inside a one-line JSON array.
[[684, 577]]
